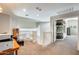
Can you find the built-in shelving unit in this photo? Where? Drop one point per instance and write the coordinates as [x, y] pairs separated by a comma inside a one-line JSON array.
[[59, 29]]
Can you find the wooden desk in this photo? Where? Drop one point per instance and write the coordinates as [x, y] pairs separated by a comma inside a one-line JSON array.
[[14, 49]]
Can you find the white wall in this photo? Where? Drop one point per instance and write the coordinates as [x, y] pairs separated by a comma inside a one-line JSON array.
[[7, 23], [53, 29], [43, 28], [23, 22], [78, 36], [4, 23], [71, 22], [39, 41]]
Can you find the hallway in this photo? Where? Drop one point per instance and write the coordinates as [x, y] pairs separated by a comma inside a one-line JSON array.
[[61, 47]]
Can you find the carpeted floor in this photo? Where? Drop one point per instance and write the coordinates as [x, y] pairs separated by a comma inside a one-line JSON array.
[[68, 46]]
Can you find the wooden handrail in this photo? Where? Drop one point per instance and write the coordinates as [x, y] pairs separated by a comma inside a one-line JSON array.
[[11, 50]]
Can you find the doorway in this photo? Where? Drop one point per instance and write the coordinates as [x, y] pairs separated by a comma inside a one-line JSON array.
[[71, 27]]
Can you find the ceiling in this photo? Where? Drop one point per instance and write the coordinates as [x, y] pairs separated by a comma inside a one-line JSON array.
[[32, 10]]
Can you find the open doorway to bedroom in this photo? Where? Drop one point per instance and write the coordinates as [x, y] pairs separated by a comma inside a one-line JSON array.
[[68, 40], [71, 32]]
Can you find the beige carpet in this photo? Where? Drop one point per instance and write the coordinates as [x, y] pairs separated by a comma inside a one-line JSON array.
[[61, 47]]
